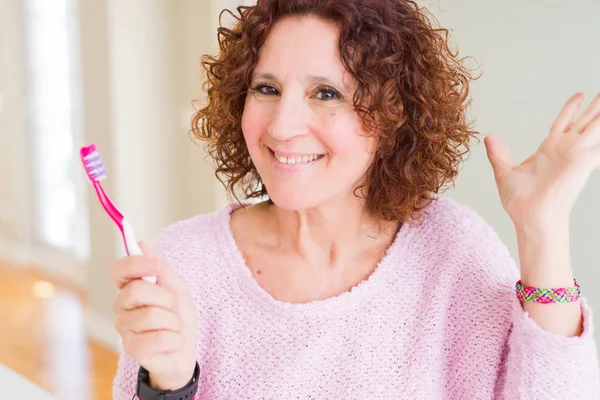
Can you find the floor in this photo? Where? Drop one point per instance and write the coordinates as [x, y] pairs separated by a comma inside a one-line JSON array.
[[42, 337]]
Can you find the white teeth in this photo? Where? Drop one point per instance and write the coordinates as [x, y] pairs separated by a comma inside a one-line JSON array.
[[297, 160]]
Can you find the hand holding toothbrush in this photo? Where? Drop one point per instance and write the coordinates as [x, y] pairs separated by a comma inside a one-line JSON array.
[[157, 322]]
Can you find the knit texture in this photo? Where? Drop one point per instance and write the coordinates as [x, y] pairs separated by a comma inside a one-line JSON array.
[[437, 319]]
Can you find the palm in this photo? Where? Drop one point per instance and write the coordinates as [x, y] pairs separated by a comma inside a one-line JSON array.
[[550, 180]]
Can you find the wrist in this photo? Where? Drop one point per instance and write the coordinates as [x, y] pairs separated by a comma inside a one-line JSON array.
[[174, 381], [543, 230], [544, 254], [167, 388]]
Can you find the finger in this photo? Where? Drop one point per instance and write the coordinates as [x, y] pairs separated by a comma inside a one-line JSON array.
[[592, 113], [168, 277], [593, 129], [139, 293], [143, 346], [499, 156], [568, 113], [147, 250], [146, 319], [134, 267]]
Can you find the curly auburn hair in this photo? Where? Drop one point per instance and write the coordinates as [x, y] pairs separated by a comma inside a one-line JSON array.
[[411, 95]]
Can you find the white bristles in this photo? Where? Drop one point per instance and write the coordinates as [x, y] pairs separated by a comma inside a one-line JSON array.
[[94, 166]]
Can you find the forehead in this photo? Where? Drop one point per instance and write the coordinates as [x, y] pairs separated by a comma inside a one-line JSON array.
[[302, 46]]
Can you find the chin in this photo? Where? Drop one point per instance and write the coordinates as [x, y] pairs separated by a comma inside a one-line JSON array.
[[294, 200]]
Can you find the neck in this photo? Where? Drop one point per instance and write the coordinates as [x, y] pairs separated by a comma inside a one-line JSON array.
[[329, 234]]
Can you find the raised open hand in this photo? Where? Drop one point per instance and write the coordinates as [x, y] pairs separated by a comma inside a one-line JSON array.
[[546, 185]]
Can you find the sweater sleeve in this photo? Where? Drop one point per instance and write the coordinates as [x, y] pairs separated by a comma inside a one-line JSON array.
[[542, 365], [125, 382], [534, 363]]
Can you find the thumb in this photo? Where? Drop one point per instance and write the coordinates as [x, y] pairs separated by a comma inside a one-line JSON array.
[[147, 250], [167, 276], [499, 156]]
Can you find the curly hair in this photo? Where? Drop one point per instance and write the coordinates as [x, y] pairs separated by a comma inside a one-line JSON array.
[[412, 92]]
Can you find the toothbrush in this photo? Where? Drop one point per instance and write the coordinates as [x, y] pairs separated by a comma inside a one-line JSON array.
[[94, 168]]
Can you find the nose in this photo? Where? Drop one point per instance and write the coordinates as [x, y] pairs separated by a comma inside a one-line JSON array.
[[290, 118]]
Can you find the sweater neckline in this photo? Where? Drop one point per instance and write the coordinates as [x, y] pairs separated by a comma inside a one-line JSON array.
[[368, 289]]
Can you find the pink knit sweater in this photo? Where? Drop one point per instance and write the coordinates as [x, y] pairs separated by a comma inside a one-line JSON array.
[[437, 319]]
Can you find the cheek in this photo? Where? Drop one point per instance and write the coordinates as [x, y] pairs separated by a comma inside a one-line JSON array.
[[346, 136], [252, 124]]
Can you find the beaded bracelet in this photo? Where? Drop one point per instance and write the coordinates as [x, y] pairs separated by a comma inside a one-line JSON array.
[[548, 296]]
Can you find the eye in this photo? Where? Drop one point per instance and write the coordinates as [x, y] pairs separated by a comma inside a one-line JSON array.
[[328, 94], [265, 89]]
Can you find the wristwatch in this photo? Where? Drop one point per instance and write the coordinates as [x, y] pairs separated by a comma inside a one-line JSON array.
[[146, 392]]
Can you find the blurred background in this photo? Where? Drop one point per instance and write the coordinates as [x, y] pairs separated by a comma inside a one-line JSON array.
[[123, 75]]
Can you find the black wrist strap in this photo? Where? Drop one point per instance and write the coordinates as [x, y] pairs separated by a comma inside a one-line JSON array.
[[146, 392]]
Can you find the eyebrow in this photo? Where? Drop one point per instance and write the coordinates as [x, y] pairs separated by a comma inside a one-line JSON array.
[[311, 78]]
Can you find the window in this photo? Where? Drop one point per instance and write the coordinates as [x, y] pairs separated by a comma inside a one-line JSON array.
[[54, 119]]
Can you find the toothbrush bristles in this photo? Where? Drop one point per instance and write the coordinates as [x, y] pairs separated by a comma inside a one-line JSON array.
[[94, 166]]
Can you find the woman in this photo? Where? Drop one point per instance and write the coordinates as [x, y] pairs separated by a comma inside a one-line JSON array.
[[349, 277]]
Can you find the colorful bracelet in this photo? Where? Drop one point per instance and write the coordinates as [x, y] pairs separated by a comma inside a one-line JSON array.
[[548, 296]]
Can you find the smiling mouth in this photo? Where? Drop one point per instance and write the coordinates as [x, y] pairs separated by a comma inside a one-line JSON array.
[[299, 159]]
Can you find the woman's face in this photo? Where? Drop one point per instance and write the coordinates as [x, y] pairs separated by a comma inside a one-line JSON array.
[[302, 132]]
